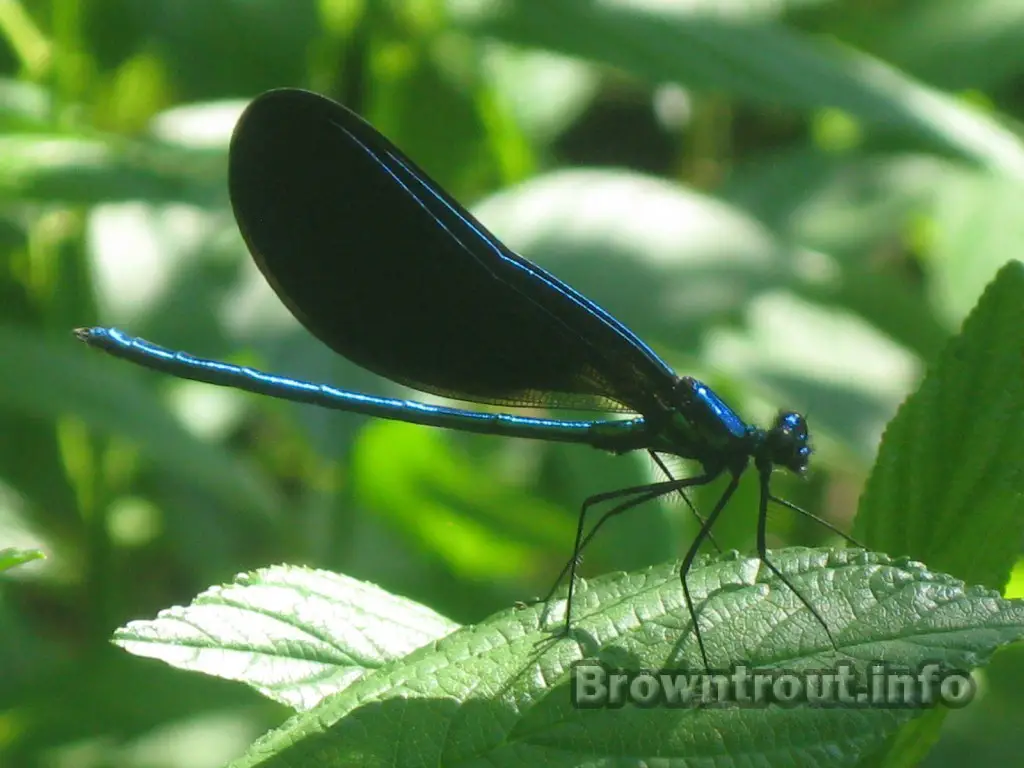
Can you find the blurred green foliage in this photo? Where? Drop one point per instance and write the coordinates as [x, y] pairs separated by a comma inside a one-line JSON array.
[[797, 201]]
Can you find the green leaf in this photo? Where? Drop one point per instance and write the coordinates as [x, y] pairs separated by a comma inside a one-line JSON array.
[[976, 45], [976, 224], [739, 51], [499, 693], [294, 634], [909, 747], [546, 92], [10, 558], [947, 484], [24, 105], [79, 170]]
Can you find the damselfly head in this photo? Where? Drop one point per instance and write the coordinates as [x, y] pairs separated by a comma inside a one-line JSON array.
[[786, 444]]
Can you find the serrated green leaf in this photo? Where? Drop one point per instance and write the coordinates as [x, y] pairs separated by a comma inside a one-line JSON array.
[[499, 693], [294, 634], [948, 486]]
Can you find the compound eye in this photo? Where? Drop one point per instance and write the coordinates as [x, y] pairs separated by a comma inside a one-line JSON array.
[[788, 438], [793, 423]]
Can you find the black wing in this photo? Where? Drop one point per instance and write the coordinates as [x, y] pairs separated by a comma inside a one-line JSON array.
[[386, 269]]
